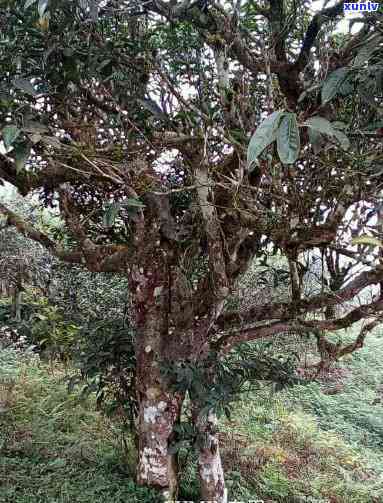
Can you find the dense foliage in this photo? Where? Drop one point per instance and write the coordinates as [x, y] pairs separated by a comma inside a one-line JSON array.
[[179, 144]]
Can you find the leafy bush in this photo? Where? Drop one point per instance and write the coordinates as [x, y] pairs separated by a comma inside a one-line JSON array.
[[43, 325], [50, 331], [105, 361]]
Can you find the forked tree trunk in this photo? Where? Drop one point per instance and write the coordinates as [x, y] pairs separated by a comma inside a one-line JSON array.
[[210, 470]]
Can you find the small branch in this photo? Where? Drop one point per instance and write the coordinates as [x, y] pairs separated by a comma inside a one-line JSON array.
[[286, 311], [357, 314], [231, 339], [212, 229], [108, 258], [295, 281], [31, 232], [331, 352], [277, 19], [317, 22]]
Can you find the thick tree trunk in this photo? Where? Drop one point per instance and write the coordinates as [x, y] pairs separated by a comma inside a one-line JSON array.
[[159, 411], [156, 466], [159, 406], [212, 481]]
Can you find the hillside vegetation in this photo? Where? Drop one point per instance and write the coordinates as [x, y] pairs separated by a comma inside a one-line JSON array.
[[322, 441]]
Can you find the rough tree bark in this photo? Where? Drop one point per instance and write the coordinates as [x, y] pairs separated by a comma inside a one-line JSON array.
[[158, 412], [210, 470], [159, 407]]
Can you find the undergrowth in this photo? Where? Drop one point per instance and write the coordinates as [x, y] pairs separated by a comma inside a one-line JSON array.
[[54, 446], [322, 440], [304, 444]]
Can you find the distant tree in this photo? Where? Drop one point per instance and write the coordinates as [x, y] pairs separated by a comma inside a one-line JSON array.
[[182, 141], [22, 262]]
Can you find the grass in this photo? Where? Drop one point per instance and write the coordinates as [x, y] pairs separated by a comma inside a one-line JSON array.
[[287, 457], [300, 445], [55, 447], [322, 441], [356, 411]]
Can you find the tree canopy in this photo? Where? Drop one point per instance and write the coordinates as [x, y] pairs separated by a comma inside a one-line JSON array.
[[181, 141]]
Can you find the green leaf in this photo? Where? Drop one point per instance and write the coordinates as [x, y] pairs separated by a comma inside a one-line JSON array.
[[339, 125], [324, 126], [367, 240], [3, 221], [347, 87], [264, 135], [111, 213], [57, 463], [333, 84], [28, 3], [368, 50], [10, 133], [153, 108], [26, 86], [379, 79], [307, 91], [53, 141], [174, 448], [367, 94], [43, 4], [288, 140], [93, 10], [35, 138], [342, 139], [375, 125], [320, 124], [316, 140], [103, 64], [227, 412], [133, 202], [21, 154]]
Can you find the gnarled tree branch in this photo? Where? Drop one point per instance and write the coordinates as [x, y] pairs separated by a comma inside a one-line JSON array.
[[287, 311], [317, 22], [24, 228]]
